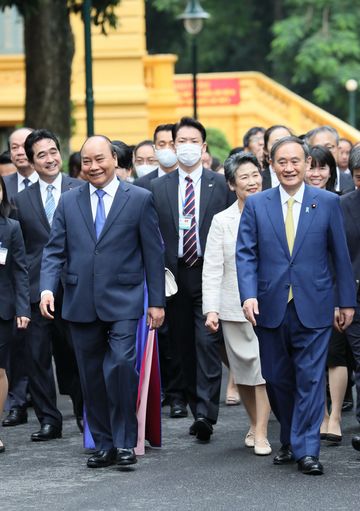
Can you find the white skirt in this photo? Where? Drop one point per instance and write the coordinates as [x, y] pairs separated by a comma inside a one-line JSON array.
[[242, 348]]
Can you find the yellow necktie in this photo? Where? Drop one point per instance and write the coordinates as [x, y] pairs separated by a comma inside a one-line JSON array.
[[290, 233]]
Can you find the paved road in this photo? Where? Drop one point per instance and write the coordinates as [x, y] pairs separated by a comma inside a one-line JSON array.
[[183, 475]]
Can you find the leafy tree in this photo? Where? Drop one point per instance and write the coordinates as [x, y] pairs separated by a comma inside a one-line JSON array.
[[316, 49], [236, 37], [49, 50], [218, 144]]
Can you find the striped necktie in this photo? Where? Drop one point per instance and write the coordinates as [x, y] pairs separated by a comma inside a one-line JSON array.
[[290, 233], [50, 204], [189, 240]]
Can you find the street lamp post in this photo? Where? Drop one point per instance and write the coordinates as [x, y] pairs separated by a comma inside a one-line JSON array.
[[88, 68], [351, 86], [193, 18]]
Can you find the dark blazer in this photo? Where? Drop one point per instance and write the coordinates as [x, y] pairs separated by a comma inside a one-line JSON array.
[[266, 179], [346, 183], [350, 204], [145, 181], [266, 269], [11, 185], [14, 281], [105, 277], [215, 196], [29, 210]]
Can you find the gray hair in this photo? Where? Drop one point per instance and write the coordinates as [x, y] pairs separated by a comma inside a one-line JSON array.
[[233, 162], [312, 133], [287, 140], [354, 159]]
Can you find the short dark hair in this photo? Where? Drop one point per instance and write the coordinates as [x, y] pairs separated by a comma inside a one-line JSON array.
[[321, 155], [288, 140], [142, 143], [250, 133], [5, 206], [189, 122], [74, 165], [123, 154], [271, 129], [354, 159], [5, 158], [235, 150], [162, 127], [36, 136], [233, 162]]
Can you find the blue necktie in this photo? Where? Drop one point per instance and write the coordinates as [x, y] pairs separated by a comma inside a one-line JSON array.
[[100, 213], [26, 182], [50, 204]]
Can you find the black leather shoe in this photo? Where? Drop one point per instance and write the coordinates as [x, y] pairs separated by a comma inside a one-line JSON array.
[[15, 417], [102, 459], [347, 406], [202, 429], [178, 411], [46, 432], [285, 455], [356, 442], [334, 439], [126, 457], [310, 465]]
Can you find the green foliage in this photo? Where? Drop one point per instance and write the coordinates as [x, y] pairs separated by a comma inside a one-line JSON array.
[[316, 49], [218, 144]]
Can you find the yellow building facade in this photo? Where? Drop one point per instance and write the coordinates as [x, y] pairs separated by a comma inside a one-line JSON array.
[[134, 92]]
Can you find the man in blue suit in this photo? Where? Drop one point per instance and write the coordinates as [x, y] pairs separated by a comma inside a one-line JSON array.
[[106, 233], [286, 285]]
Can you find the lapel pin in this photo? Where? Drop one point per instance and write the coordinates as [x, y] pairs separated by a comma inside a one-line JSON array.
[[210, 185], [307, 209], [313, 206]]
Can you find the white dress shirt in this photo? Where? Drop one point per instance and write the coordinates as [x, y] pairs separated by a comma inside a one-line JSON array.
[[298, 198], [274, 178], [110, 190], [20, 180], [196, 177], [56, 190]]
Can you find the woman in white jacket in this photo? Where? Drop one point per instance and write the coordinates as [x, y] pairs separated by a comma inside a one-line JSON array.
[[221, 299]]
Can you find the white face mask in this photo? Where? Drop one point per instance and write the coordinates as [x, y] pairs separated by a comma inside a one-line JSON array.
[[189, 154], [167, 158], [142, 170]]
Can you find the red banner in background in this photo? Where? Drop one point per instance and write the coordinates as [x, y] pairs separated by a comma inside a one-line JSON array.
[[210, 91]]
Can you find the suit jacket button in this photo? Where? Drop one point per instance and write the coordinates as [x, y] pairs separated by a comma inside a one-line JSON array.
[[96, 252]]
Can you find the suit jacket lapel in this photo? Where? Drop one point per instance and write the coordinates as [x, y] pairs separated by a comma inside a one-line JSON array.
[[307, 215], [207, 186], [120, 199], [66, 183], [36, 201], [172, 190], [83, 199], [274, 210], [233, 216]]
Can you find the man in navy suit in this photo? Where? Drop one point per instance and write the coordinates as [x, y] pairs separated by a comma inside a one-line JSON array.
[[44, 338], [286, 284], [106, 233]]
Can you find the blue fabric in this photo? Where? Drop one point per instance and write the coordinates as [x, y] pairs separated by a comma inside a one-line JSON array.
[[100, 217]]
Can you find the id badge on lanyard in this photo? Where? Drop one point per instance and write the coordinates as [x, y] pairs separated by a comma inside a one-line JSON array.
[[3, 254]]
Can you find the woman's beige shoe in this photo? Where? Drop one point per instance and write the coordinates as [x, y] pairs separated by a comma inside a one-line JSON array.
[[262, 448], [250, 439]]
